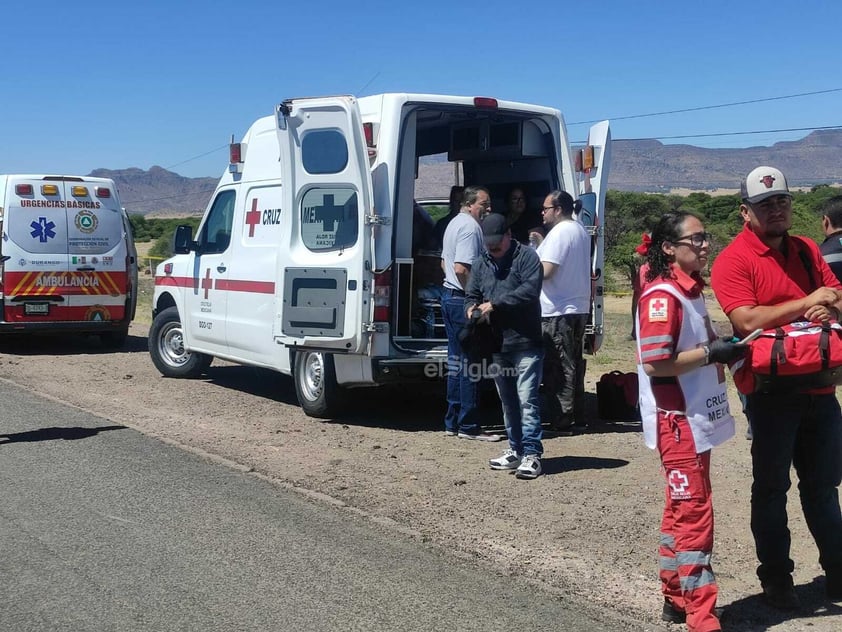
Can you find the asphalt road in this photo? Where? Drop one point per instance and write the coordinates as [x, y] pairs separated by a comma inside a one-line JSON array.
[[104, 528]]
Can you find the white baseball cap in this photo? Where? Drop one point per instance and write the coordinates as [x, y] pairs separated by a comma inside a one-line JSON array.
[[763, 182]]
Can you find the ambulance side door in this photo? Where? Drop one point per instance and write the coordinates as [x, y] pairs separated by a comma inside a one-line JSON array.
[[258, 237], [325, 291], [206, 302]]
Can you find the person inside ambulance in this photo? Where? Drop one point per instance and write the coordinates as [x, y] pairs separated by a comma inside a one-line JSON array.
[[455, 204], [684, 410], [520, 218]]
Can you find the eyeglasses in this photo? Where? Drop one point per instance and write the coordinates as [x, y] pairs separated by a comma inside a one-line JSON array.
[[486, 205], [696, 239], [544, 209]]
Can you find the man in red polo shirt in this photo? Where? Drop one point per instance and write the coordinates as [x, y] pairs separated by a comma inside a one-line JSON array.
[[763, 279]]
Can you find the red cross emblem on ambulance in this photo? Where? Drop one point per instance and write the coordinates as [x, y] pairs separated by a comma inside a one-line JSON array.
[[678, 481], [253, 217]]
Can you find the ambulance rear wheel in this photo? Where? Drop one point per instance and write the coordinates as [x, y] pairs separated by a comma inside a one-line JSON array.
[[315, 384], [166, 346]]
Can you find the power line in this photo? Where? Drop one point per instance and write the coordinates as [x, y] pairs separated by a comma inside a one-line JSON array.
[[197, 157], [762, 131], [710, 107]]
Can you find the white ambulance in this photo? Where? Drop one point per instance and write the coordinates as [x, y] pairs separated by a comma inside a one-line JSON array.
[[69, 262], [304, 261]]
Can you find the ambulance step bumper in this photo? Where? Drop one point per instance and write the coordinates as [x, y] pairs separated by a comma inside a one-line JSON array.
[[410, 369]]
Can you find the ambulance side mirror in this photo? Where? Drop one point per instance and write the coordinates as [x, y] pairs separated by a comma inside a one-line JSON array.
[[182, 242]]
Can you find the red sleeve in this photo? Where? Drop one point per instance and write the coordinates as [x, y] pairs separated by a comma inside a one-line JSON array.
[[730, 278], [659, 315]]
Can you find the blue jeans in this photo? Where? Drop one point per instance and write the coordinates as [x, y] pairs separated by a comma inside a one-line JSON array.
[[462, 389], [805, 431], [517, 376]]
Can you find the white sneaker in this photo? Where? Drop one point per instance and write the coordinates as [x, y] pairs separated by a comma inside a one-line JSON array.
[[530, 467], [449, 433], [509, 460], [482, 436]]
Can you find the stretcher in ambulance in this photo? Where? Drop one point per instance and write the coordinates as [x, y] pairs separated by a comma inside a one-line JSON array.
[[68, 257], [305, 261]]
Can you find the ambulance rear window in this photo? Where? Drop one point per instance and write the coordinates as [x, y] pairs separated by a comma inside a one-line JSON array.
[[329, 219], [324, 151]]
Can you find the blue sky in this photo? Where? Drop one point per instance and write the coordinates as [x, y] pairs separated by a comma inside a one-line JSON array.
[[91, 84]]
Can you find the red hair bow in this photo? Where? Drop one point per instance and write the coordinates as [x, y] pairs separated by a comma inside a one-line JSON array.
[[643, 248]]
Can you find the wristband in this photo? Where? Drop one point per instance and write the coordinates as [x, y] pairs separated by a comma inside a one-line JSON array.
[[707, 355]]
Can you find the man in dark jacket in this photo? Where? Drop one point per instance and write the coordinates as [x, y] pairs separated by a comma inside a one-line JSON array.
[[832, 224], [504, 287]]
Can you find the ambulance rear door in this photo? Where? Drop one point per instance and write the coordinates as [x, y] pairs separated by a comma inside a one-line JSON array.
[[592, 165], [325, 295], [35, 244], [99, 251]]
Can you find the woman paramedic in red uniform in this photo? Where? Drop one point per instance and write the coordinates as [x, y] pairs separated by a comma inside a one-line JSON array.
[[684, 407]]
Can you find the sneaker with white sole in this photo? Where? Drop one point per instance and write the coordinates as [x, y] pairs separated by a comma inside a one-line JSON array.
[[530, 467], [449, 433], [509, 460], [482, 436]]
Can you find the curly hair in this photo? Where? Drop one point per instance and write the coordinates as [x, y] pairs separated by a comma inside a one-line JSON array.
[[669, 228]]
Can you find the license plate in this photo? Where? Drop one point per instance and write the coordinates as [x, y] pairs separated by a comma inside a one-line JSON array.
[[39, 309]]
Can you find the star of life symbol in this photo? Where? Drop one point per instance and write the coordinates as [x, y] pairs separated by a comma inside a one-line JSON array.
[[43, 229], [678, 481]]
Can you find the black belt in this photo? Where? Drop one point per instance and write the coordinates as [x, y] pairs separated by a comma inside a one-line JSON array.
[[455, 292]]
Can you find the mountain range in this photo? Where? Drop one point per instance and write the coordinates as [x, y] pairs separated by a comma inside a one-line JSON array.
[[636, 165]]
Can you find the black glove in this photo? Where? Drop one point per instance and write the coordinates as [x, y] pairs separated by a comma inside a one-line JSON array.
[[724, 351]]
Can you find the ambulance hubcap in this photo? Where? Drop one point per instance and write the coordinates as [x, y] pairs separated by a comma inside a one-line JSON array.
[[171, 345], [312, 372]]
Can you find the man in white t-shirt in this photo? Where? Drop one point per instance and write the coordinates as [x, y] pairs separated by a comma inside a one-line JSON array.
[[565, 304]]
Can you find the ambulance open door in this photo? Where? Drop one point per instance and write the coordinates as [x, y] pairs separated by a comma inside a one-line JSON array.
[[592, 164], [325, 296]]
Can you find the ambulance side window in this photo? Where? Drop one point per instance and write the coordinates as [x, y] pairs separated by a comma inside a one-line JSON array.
[[329, 218], [216, 231]]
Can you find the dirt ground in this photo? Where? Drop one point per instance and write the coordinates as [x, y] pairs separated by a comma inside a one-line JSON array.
[[588, 527]]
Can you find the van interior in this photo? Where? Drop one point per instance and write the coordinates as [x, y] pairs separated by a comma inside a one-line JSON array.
[[496, 149]]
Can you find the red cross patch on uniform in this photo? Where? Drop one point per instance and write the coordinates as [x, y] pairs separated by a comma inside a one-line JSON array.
[[658, 310], [678, 483]]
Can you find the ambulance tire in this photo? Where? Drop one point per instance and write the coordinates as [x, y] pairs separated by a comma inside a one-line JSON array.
[[166, 347], [318, 393]]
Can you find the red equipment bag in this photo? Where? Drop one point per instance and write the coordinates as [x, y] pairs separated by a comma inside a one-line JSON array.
[[617, 395], [797, 356]]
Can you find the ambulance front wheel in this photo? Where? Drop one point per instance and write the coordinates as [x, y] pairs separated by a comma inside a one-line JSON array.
[[315, 384], [166, 346]]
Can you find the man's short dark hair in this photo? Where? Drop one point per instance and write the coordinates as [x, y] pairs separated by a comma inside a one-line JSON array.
[[832, 209]]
